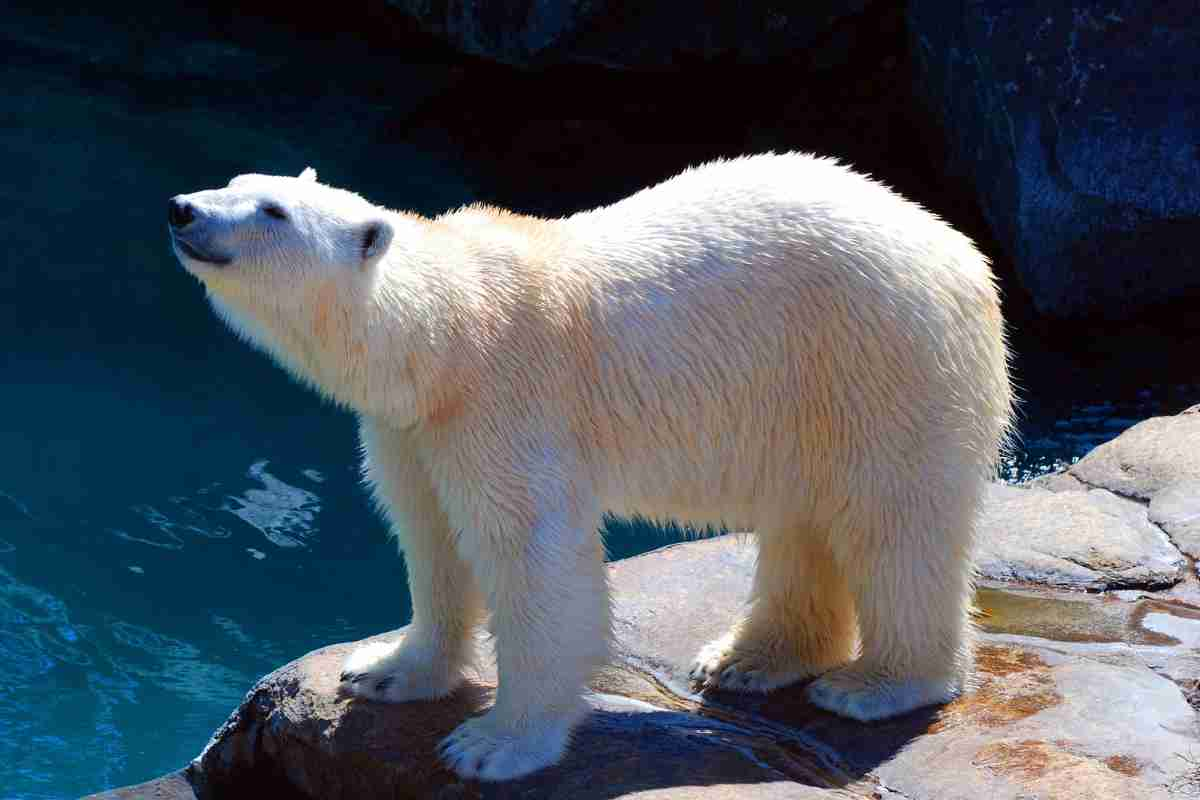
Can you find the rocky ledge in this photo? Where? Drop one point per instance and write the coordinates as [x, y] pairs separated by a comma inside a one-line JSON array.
[[1078, 693]]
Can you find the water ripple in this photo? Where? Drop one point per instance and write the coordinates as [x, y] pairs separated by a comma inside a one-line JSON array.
[[28, 604], [193, 522], [155, 644], [172, 542], [17, 504], [281, 512]]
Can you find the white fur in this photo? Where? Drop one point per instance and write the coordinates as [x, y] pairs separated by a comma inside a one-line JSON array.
[[772, 342]]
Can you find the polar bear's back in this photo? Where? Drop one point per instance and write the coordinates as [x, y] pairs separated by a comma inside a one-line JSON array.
[[784, 304], [745, 214]]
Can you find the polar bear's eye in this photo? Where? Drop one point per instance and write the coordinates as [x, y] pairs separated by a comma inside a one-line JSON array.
[[275, 211]]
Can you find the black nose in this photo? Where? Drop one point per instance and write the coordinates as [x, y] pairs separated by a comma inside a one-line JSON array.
[[179, 212]]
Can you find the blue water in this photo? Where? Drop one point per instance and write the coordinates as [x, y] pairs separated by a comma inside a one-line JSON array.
[[176, 516]]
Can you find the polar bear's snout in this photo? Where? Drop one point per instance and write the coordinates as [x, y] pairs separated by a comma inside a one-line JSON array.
[[180, 213], [192, 234]]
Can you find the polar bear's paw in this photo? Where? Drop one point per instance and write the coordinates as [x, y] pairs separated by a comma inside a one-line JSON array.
[[866, 696], [730, 665], [396, 672], [483, 749]]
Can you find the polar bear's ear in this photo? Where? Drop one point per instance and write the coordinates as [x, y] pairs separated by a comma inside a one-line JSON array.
[[374, 238], [309, 174]]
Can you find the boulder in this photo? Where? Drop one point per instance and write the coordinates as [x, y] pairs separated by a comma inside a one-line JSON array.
[[1076, 124], [1081, 539], [1080, 718], [1146, 459], [1117, 506], [1176, 509]]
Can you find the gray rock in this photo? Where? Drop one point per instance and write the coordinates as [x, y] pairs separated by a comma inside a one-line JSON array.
[[1077, 125], [1045, 719], [175, 786], [294, 734], [1091, 540], [1058, 482], [1102, 730], [627, 35], [1147, 458], [1176, 509]]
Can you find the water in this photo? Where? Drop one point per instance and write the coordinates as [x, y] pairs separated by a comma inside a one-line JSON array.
[[176, 516]]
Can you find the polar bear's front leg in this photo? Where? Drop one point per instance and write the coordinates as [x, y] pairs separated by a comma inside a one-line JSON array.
[[430, 660], [552, 625]]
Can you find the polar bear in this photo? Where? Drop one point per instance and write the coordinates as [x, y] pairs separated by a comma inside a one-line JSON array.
[[772, 342]]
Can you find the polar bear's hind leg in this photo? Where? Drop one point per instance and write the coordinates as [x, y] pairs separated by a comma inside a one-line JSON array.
[[913, 591], [801, 621]]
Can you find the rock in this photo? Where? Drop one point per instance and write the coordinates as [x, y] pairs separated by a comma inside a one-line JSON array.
[[1087, 540], [1176, 509], [1047, 719], [176, 786], [615, 34], [1077, 125], [1058, 482], [1147, 458], [294, 732], [1056, 717]]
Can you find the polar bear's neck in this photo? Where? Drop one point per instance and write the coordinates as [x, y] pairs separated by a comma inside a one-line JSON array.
[[411, 344], [454, 294]]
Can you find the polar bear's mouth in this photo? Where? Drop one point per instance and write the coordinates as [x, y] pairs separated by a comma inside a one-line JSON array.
[[185, 248]]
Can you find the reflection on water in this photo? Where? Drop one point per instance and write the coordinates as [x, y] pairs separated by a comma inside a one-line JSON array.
[[282, 512]]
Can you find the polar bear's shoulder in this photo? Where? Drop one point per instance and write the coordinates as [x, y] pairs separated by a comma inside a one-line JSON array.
[[493, 232]]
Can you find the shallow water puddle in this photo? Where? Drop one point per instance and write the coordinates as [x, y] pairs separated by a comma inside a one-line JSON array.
[[1086, 618]]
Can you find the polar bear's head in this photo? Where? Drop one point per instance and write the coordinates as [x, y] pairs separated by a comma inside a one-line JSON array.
[[281, 231], [293, 266]]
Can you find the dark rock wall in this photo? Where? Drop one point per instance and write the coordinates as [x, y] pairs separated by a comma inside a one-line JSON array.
[[1080, 128], [621, 34]]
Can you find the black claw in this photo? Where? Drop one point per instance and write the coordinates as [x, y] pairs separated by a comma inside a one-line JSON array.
[[383, 684], [344, 677]]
